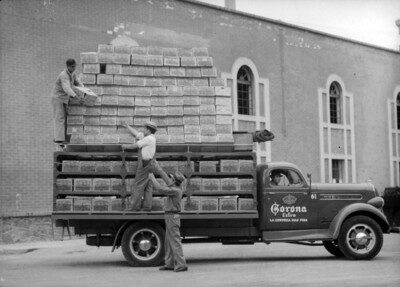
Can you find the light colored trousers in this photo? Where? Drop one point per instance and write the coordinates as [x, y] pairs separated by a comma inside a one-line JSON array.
[[173, 243], [142, 186], [59, 116]]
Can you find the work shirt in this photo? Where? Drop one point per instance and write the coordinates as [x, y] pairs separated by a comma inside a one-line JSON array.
[[174, 196], [63, 87], [147, 144]]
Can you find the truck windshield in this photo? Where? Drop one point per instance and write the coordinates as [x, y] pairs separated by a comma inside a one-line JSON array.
[[283, 177]]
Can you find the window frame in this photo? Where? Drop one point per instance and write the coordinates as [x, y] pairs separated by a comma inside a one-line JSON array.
[[241, 92], [335, 105]]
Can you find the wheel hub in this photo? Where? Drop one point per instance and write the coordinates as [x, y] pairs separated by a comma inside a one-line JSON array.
[[144, 244], [361, 238]]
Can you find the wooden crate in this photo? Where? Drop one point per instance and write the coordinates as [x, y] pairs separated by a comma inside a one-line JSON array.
[[101, 204], [209, 204], [71, 166], [246, 204], [211, 184], [193, 206], [64, 204], [64, 184], [101, 184], [227, 203], [82, 184], [83, 204], [229, 184], [229, 165]]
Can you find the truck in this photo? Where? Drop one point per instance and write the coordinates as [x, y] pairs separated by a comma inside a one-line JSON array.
[[233, 202]]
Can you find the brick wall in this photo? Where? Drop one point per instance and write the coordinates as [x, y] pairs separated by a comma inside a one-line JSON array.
[[36, 37]]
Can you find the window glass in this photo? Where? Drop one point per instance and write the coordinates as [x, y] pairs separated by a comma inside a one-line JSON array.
[[398, 111], [335, 92], [244, 91], [284, 177]]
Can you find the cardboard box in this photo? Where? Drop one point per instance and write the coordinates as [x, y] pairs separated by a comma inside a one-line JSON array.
[[102, 166], [116, 204], [246, 184], [211, 184], [192, 206], [246, 204], [71, 166], [246, 166], [209, 204], [88, 166], [83, 204], [208, 166], [229, 165], [101, 184], [87, 94], [116, 184], [101, 204], [227, 204], [64, 184], [82, 184], [64, 204], [194, 184], [229, 184]]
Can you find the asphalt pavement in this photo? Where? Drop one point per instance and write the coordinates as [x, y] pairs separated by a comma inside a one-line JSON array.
[[72, 263]]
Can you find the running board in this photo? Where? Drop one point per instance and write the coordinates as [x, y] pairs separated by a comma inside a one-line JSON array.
[[297, 235]]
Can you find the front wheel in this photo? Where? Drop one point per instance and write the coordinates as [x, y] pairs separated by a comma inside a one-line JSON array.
[[143, 244], [360, 238]]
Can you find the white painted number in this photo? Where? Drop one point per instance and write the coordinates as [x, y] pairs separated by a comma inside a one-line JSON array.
[[313, 196]]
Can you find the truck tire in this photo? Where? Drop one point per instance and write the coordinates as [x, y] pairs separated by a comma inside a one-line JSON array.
[[333, 248], [360, 238], [143, 244]]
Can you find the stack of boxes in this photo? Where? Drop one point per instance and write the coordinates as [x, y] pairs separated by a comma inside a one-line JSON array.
[[179, 89]]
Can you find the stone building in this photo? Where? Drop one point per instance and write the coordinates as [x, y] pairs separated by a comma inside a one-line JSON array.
[[332, 103]]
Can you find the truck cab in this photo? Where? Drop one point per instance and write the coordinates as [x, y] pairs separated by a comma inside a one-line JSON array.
[[347, 218]]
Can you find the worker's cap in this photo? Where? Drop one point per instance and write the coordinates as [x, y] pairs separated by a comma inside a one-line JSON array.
[[276, 172], [178, 177], [151, 124]]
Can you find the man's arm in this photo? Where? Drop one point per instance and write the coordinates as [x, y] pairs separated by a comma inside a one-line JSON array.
[[66, 85], [129, 146], [133, 131]]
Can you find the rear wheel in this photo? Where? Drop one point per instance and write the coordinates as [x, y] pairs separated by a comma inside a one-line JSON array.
[[143, 244], [360, 238], [333, 248]]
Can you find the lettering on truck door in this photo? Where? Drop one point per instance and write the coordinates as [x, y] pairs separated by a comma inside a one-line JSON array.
[[289, 203]]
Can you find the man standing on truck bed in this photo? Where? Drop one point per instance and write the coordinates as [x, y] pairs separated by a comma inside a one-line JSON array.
[[62, 94], [146, 164], [174, 259]]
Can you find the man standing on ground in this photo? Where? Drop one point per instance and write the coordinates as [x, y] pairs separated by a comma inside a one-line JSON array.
[[62, 94], [174, 259], [146, 164]]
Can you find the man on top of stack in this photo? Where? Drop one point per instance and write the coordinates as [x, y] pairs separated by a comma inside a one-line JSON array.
[[62, 94], [146, 143]]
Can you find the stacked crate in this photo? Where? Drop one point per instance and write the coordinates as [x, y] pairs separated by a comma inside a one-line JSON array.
[[179, 89]]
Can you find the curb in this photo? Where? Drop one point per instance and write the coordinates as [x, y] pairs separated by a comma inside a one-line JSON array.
[[27, 247]]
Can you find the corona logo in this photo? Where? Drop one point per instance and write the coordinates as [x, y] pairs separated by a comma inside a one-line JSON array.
[[289, 199], [276, 208]]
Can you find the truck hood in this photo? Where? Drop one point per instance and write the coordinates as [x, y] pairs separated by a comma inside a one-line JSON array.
[[342, 187]]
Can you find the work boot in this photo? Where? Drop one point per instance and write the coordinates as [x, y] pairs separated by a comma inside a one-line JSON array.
[[180, 269], [165, 268]]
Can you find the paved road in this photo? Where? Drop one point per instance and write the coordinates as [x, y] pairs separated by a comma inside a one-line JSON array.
[[72, 263]]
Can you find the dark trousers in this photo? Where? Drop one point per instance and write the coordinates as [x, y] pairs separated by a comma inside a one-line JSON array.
[[142, 188], [173, 243]]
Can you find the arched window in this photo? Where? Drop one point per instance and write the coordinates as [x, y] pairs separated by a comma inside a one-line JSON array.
[[244, 91], [398, 110], [335, 93]]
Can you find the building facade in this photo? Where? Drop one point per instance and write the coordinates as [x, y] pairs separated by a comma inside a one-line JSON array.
[[333, 104]]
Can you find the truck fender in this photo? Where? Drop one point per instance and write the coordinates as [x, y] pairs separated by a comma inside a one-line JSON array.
[[119, 234], [357, 209]]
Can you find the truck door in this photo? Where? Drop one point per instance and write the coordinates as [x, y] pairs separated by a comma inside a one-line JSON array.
[[288, 204]]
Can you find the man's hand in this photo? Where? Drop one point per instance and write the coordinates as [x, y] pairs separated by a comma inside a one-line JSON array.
[[124, 124]]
